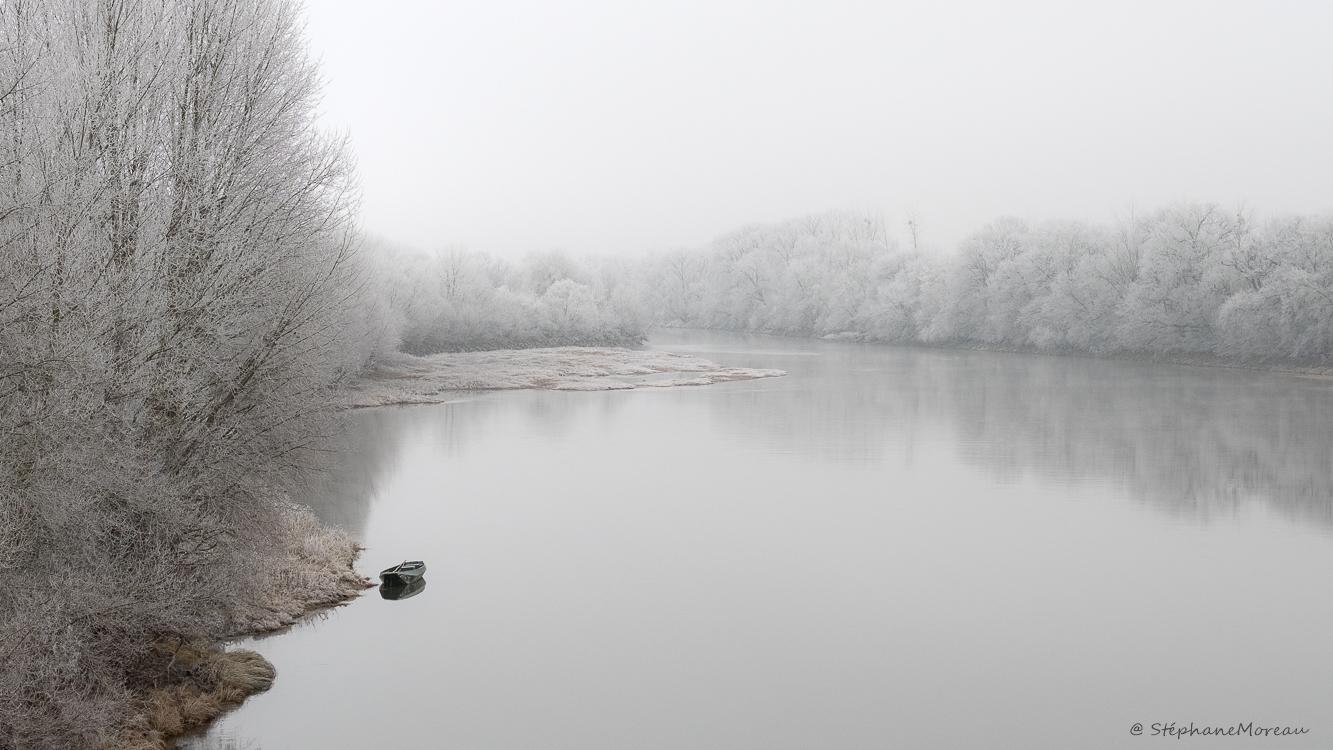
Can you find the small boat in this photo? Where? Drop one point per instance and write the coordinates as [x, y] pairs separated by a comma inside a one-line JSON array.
[[403, 573], [400, 591]]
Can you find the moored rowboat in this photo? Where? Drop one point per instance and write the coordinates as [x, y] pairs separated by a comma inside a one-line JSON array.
[[403, 573]]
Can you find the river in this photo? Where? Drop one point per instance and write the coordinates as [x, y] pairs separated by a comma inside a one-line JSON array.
[[889, 547]]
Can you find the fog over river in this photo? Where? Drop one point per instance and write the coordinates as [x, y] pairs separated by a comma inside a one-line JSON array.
[[889, 547]]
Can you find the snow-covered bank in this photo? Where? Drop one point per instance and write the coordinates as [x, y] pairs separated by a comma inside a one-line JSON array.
[[313, 568], [427, 380]]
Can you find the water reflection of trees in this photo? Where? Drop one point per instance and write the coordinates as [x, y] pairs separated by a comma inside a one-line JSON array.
[[1196, 441], [359, 460], [372, 442], [368, 451]]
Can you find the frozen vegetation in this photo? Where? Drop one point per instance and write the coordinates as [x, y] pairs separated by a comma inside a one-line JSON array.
[[455, 300], [176, 266], [1188, 282], [1191, 282]]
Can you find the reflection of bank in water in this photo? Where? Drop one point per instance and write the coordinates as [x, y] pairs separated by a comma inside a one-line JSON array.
[[401, 591]]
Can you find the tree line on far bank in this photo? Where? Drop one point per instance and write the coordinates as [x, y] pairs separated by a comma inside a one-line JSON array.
[[456, 300], [1190, 280]]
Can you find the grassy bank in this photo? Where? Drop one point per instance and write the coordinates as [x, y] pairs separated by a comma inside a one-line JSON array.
[[184, 682]]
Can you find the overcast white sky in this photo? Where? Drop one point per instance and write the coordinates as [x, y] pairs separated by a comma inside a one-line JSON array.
[[615, 127]]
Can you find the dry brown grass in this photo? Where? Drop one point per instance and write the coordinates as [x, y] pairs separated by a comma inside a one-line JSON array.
[[208, 681], [187, 682], [244, 671]]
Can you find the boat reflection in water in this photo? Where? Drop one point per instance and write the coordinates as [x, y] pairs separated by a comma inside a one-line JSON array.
[[403, 591]]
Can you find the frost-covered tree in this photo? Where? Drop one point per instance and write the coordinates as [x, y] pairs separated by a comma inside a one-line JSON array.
[[176, 268], [810, 276], [1284, 309], [1182, 281], [676, 285]]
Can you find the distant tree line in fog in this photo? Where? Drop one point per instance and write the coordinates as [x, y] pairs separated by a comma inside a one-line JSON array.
[[1187, 280], [1190, 280], [455, 300]]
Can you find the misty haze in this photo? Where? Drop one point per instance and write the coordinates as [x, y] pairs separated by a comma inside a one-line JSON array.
[[664, 375]]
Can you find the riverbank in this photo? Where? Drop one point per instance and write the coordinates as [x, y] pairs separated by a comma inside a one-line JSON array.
[[1311, 369], [186, 683], [427, 380], [1303, 368]]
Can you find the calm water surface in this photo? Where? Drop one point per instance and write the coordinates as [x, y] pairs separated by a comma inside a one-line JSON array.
[[887, 548]]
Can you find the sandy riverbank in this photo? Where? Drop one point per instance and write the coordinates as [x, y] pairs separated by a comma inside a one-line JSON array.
[[427, 380]]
